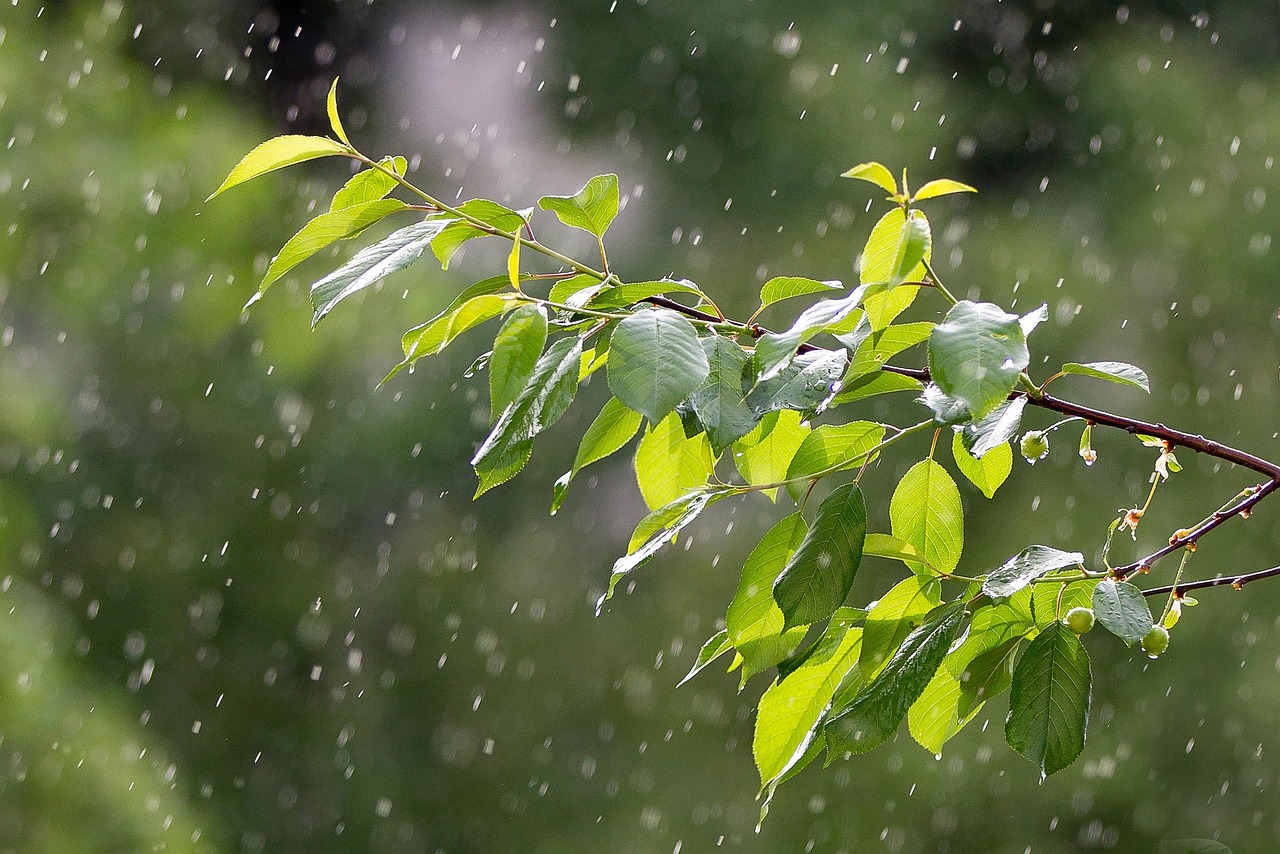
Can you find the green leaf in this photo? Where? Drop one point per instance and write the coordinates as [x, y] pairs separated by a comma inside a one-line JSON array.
[[877, 348], [925, 511], [754, 620], [668, 464], [655, 361], [720, 404], [831, 448], [1026, 566], [874, 173], [499, 467], [371, 265], [612, 429], [987, 472], [993, 625], [716, 646], [1122, 610], [616, 296], [764, 455], [1049, 700], [876, 713], [1052, 599], [817, 578], [432, 337], [655, 531], [334, 119], [278, 153], [1117, 372], [886, 546], [790, 711], [516, 350], [460, 231], [785, 287], [893, 618], [935, 716], [874, 384], [881, 262], [591, 209], [806, 384], [1034, 318], [550, 390], [988, 674], [995, 429], [915, 242], [775, 350], [575, 290], [976, 354], [325, 229], [369, 185], [941, 187]]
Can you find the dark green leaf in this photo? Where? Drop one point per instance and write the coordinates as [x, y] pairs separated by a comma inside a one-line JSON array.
[[655, 361], [1192, 846], [876, 713], [434, 336], [987, 675], [754, 620], [925, 511], [716, 646], [325, 229], [1049, 700], [988, 472], [591, 209], [976, 354], [805, 384], [817, 578], [893, 618], [499, 467], [1026, 566], [720, 404], [1117, 372], [515, 353], [785, 287], [1122, 610], [373, 264]]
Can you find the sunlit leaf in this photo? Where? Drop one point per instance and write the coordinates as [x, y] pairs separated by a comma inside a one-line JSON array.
[[616, 296], [754, 620], [893, 618], [716, 646], [785, 287], [987, 472], [369, 185], [996, 428], [875, 384], [775, 350], [926, 512], [276, 154], [874, 173], [516, 350], [764, 455], [334, 120], [941, 187], [325, 229], [832, 447], [591, 209], [669, 464], [976, 354], [1116, 372], [613, 428], [655, 531], [1031, 563]]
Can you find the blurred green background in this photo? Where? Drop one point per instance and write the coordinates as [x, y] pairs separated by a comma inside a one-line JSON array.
[[246, 602]]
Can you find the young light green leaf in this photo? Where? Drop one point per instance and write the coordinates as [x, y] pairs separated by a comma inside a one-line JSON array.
[[1026, 566], [655, 361], [720, 403], [875, 384], [575, 290], [325, 229], [893, 618], [831, 448], [754, 620], [612, 429], [716, 646], [941, 187], [880, 259], [334, 120], [790, 711], [435, 335], [874, 173], [369, 185], [616, 296], [785, 287], [886, 546], [976, 354], [806, 384], [669, 464], [1049, 701], [876, 713], [276, 154], [987, 472], [764, 455], [372, 264], [876, 348], [499, 217], [995, 429], [591, 209], [925, 511], [935, 717], [915, 242], [1122, 610], [654, 531], [1050, 600], [550, 390], [1117, 372], [817, 578], [516, 350], [775, 350]]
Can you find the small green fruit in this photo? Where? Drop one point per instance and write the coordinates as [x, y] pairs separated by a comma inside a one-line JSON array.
[[1035, 446], [1079, 620], [1155, 641]]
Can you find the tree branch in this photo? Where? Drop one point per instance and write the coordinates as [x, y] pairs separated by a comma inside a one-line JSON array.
[[1237, 582]]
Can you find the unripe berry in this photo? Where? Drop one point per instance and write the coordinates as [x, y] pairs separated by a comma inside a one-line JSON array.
[[1035, 446], [1155, 641], [1079, 620]]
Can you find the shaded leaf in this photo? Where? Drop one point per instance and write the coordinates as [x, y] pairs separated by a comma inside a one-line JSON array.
[[817, 578], [720, 404], [832, 448], [1122, 610], [612, 429], [1049, 700], [434, 336], [460, 231], [655, 531], [655, 362], [1117, 372], [276, 154], [926, 512], [775, 350], [1026, 566], [616, 296], [805, 384], [591, 209]]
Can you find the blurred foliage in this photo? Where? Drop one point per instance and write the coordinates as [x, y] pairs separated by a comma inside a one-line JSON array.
[[247, 604]]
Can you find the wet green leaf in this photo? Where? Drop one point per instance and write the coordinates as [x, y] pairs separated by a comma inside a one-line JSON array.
[[1122, 610], [1116, 372], [516, 350], [655, 361], [817, 578], [1049, 700], [988, 472], [1026, 566]]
